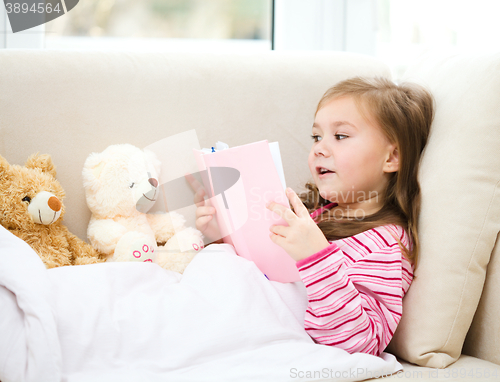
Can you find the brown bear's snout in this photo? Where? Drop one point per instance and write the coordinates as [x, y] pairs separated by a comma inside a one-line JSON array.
[[45, 208], [54, 204]]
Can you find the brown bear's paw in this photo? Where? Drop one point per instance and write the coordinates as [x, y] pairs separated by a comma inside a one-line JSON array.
[[87, 260]]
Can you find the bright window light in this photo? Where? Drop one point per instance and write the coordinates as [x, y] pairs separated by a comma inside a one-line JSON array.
[[408, 28], [163, 25]]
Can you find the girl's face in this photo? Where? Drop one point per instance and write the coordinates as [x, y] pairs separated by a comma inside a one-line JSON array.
[[350, 158]]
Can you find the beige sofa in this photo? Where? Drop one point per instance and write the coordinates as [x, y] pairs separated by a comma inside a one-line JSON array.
[[69, 104]]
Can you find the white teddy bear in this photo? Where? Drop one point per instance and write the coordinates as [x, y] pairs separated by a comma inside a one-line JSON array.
[[121, 185]]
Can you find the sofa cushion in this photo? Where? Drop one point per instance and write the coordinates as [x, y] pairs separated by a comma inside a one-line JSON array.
[[483, 338], [466, 368], [459, 178]]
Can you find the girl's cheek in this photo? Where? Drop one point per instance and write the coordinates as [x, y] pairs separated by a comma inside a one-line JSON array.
[[310, 163]]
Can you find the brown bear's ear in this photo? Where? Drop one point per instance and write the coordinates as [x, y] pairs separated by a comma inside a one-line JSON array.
[[4, 166], [43, 162]]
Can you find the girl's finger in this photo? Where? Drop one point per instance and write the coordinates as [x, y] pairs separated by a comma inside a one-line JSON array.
[[198, 189], [199, 199], [205, 211], [277, 239], [298, 206], [279, 230], [282, 211], [202, 222], [195, 185]]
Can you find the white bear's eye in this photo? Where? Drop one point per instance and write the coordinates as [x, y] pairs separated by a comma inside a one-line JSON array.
[[131, 184]]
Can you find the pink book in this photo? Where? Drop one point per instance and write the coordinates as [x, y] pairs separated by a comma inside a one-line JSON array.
[[242, 180]]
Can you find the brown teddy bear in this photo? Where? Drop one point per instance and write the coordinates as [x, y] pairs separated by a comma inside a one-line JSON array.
[[31, 208]]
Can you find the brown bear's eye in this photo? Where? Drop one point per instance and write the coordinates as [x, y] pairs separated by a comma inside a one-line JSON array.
[[27, 199]]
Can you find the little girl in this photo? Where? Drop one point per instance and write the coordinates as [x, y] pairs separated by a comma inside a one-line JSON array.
[[354, 233]]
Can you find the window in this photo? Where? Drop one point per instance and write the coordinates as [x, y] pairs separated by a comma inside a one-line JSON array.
[[157, 25], [395, 31], [30, 39]]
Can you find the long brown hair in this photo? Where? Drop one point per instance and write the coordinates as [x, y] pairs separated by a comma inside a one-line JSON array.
[[404, 113]]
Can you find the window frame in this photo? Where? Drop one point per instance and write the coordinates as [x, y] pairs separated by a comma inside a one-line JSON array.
[[33, 38], [295, 25]]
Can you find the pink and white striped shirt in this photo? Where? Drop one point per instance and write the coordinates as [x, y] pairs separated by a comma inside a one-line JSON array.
[[355, 288]]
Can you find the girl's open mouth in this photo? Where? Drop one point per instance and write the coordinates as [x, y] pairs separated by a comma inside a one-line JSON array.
[[323, 172]]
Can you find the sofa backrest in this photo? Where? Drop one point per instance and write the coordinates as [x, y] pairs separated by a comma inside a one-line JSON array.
[[69, 104]]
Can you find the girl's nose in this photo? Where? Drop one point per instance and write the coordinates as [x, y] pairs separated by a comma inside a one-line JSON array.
[[321, 149]]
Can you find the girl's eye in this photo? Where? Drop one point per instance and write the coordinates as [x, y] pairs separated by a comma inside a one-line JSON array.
[[337, 136], [315, 138]]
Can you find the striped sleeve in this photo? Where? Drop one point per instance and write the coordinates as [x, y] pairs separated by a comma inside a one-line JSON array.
[[355, 303]]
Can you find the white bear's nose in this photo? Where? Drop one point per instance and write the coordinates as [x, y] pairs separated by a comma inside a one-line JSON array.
[[153, 182], [45, 208]]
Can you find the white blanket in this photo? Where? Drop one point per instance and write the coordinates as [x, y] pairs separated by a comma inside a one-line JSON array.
[[220, 321]]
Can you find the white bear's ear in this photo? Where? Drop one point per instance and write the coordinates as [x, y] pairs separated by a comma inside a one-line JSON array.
[[4, 167], [43, 162], [152, 159], [97, 170], [92, 169]]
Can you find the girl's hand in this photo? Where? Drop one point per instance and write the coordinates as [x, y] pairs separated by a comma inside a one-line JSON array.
[[302, 238], [205, 219]]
